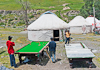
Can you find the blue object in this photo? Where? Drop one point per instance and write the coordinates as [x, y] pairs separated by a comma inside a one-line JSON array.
[[4, 68], [48, 12], [96, 32], [61, 40], [12, 60]]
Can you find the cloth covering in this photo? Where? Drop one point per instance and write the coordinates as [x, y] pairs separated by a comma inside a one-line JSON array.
[[4, 68]]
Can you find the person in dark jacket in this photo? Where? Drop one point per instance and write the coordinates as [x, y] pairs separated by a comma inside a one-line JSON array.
[[52, 49]]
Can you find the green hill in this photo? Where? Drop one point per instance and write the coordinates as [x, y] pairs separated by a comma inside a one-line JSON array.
[[62, 8], [41, 4]]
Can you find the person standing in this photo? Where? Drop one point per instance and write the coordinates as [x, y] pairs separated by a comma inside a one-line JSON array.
[[11, 51], [52, 49], [67, 37]]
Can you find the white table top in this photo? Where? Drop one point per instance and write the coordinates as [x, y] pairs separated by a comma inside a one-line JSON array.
[[77, 51], [85, 53], [75, 46]]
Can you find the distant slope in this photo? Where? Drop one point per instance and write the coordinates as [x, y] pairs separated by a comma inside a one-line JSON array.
[[42, 4]]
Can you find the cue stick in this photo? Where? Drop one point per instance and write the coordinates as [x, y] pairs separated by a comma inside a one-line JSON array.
[[49, 56]]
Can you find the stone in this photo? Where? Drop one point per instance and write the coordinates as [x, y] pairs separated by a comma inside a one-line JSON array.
[[65, 8]]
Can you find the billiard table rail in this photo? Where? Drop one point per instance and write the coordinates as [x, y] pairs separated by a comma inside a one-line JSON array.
[[30, 52]]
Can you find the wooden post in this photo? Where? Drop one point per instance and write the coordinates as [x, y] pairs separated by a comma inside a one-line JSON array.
[[94, 17], [49, 56], [26, 21]]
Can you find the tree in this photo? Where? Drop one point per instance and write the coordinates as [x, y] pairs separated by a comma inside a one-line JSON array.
[[25, 6], [87, 9], [97, 9]]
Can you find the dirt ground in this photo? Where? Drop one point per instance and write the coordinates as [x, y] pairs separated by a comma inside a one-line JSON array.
[[62, 62]]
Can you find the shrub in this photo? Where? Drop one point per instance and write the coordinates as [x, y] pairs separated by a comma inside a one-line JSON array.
[[14, 26], [31, 16], [20, 23], [8, 22], [9, 25], [1, 23], [11, 19], [15, 18]]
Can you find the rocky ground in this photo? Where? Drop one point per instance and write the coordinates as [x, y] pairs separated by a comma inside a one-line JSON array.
[[62, 63]]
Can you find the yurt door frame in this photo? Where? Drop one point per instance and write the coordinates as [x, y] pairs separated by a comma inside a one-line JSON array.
[[56, 35]]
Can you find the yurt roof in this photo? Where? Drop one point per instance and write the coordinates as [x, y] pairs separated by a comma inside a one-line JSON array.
[[48, 21], [91, 20], [78, 21]]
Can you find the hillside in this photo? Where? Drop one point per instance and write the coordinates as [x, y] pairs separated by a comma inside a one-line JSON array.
[[11, 12], [41, 4]]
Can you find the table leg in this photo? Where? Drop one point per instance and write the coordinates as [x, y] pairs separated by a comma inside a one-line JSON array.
[[71, 63], [42, 53], [90, 63], [20, 60]]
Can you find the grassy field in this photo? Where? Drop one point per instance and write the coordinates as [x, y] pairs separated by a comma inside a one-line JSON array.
[[41, 4]]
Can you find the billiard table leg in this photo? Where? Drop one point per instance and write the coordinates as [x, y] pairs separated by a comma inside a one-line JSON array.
[[20, 60], [47, 49], [42, 53], [90, 63], [71, 62]]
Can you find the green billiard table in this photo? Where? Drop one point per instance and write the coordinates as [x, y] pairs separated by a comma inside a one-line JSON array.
[[32, 49]]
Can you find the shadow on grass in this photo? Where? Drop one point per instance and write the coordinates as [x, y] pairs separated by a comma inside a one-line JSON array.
[[2, 52], [82, 64]]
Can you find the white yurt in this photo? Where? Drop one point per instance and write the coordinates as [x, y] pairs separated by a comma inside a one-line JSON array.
[[46, 26], [79, 25], [91, 21]]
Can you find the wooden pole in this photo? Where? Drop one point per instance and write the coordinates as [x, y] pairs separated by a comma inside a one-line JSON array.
[[26, 20], [94, 14], [94, 17], [49, 56]]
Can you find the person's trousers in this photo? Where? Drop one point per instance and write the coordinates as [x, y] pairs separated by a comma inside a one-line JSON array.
[[51, 55], [12, 60], [67, 40]]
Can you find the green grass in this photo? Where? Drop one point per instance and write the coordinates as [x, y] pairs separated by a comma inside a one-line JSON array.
[[22, 40], [9, 5], [87, 37], [4, 56], [5, 60], [11, 29], [97, 57], [41, 4]]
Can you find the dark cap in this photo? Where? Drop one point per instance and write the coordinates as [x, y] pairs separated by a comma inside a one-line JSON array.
[[10, 37], [51, 38]]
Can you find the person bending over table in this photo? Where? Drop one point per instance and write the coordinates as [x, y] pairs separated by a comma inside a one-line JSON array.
[[67, 37], [52, 49], [11, 51]]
